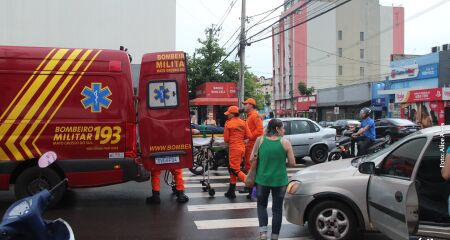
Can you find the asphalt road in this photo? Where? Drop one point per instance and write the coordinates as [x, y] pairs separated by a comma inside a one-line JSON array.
[[120, 212]]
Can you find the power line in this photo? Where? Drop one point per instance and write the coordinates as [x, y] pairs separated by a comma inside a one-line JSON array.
[[301, 23], [237, 30], [301, 6], [391, 27], [226, 14], [311, 11]]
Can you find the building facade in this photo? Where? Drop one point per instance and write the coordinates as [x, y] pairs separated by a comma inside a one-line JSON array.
[[267, 89], [142, 26], [349, 45], [417, 89]]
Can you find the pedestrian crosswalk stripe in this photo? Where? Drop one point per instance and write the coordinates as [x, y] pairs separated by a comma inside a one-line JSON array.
[[205, 194], [213, 185], [231, 223], [297, 238], [223, 206], [214, 177], [225, 171]]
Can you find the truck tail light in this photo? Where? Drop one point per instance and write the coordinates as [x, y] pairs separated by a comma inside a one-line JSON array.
[[130, 148]]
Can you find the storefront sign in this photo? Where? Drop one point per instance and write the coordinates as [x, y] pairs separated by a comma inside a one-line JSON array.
[[414, 72], [404, 72], [304, 102], [445, 94], [423, 95], [216, 90]]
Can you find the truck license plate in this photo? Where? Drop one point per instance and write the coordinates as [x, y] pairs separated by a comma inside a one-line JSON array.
[[167, 160]]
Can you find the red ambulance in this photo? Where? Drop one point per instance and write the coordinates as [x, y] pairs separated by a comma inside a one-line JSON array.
[[80, 104]]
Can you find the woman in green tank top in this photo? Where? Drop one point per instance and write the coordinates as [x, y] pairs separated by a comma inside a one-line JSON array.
[[271, 175]]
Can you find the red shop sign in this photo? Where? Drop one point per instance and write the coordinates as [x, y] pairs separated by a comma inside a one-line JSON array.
[[423, 95], [216, 90]]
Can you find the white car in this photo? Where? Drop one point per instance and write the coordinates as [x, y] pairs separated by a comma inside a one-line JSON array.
[[308, 138]]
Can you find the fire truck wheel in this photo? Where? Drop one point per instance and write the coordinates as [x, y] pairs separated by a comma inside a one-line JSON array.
[[35, 179]]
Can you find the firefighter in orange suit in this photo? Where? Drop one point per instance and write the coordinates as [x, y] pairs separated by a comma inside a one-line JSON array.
[[255, 124], [156, 186], [235, 134], [179, 184]]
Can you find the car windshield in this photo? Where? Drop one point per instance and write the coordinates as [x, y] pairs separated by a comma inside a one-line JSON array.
[[367, 158], [402, 122]]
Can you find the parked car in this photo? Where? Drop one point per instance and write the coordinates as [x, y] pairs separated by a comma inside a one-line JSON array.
[[308, 138], [326, 124], [394, 129], [341, 125], [398, 191]]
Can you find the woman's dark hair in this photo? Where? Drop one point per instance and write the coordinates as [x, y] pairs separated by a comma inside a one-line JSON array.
[[272, 127]]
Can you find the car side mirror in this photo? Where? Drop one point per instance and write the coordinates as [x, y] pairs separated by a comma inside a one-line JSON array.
[[367, 168]]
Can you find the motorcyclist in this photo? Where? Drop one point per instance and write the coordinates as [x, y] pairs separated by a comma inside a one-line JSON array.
[[235, 133], [179, 183], [255, 125], [366, 134]]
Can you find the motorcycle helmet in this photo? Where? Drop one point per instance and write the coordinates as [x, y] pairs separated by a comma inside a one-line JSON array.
[[366, 112]]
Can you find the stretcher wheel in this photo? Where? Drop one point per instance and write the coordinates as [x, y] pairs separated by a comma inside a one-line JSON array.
[[211, 192]]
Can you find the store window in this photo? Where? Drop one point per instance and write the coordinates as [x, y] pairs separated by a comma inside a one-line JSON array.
[[340, 52], [361, 53]]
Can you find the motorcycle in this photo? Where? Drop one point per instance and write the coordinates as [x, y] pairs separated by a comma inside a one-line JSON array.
[[23, 219], [343, 146]]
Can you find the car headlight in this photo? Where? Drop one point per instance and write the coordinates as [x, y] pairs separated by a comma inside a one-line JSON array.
[[293, 186]]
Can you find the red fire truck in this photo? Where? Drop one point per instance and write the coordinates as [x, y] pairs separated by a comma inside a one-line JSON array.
[[80, 104]]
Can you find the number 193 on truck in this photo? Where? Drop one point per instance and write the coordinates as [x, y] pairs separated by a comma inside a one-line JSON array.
[[80, 103]]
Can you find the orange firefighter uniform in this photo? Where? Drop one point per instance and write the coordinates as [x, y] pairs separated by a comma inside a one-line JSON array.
[[255, 125], [177, 175], [179, 183], [235, 134]]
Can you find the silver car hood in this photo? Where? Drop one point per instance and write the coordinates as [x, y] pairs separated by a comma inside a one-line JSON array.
[[334, 169]]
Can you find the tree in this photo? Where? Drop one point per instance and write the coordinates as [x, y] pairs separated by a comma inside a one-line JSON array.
[[206, 65], [252, 88], [203, 65], [305, 90]]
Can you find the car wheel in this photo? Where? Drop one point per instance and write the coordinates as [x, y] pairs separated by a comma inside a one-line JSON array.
[[332, 220], [388, 138], [319, 154], [35, 179], [334, 156]]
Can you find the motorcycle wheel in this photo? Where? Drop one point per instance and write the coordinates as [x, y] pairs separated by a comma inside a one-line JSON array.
[[334, 156]]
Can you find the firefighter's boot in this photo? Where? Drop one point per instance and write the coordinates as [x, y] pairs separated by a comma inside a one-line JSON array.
[[181, 197], [154, 199], [230, 193]]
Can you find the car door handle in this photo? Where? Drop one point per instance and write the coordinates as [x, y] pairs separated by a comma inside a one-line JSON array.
[[398, 196]]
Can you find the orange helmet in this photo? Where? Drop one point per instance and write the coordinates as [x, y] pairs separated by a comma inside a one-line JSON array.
[[231, 110]]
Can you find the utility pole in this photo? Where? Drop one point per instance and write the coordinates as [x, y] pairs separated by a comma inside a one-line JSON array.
[[242, 44]]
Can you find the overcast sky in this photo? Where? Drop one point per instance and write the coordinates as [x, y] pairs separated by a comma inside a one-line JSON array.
[[426, 26]]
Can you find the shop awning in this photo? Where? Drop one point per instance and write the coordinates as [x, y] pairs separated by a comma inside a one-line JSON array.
[[213, 101]]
